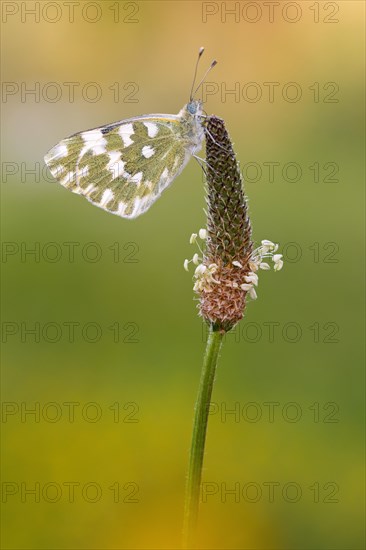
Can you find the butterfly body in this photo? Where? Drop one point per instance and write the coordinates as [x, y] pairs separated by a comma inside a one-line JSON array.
[[123, 167]]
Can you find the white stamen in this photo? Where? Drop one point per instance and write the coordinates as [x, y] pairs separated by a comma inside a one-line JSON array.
[[278, 265], [200, 270], [252, 293], [246, 287]]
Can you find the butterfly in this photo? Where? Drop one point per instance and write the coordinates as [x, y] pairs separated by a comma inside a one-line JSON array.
[[123, 167]]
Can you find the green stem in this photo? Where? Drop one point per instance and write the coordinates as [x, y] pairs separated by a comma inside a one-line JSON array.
[[199, 436]]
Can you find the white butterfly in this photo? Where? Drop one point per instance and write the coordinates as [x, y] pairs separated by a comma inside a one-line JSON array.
[[123, 167]]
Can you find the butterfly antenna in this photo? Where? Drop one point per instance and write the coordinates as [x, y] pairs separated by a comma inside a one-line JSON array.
[[214, 62], [200, 52]]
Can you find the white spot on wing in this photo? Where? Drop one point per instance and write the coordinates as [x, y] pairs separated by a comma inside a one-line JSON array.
[[164, 180], [126, 131], [147, 151], [121, 208], [164, 175], [116, 165], [140, 206], [94, 141], [106, 197], [137, 178], [68, 178], [91, 136], [114, 156], [57, 171], [152, 129], [136, 207], [84, 172], [89, 189], [59, 151]]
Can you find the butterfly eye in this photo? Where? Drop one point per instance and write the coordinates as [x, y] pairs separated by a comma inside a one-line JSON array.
[[192, 107]]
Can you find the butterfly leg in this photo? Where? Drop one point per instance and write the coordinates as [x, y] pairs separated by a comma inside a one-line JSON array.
[[204, 165], [216, 143], [202, 162]]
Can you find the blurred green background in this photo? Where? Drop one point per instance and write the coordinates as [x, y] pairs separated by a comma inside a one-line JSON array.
[[113, 367]]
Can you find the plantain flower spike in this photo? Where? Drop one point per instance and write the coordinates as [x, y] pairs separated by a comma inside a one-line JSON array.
[[226, 272]]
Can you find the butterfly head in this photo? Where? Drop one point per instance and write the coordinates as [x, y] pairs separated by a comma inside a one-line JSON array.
[[195, 107]]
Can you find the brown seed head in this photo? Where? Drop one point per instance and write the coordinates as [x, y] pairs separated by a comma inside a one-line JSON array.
[[229, 245]]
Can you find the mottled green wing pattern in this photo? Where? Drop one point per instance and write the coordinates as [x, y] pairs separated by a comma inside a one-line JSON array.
[[124, 167]]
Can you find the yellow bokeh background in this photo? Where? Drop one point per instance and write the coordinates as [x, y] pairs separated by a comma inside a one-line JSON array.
[[310, 371]]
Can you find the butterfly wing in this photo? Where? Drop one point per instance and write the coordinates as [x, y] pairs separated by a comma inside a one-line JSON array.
[[122, 167]]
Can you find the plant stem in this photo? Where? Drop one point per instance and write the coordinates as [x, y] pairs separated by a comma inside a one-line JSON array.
[[199, 436]]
